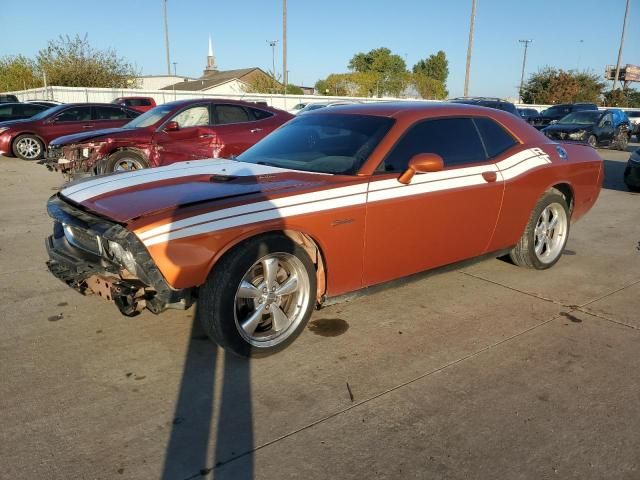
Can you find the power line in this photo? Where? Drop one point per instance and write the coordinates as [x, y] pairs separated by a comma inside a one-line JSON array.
[[524, 62], [469, 47]]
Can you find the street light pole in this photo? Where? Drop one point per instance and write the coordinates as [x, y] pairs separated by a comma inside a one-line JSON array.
[[166, 37], [524, 62], [469, 47], [272, 44], [174, 69], [624, 27]]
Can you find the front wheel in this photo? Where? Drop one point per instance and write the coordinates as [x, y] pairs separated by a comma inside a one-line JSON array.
[[28, 147], [545, 235], [124, 161], [259, 296], [592, 141]]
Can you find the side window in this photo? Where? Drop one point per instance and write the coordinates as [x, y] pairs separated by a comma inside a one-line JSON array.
[[30, 110], [75, 114], [131, 113], [5, 110], [231, 114], [496, 139], [456, 140], [109, 113], [195, 116], [260, 114]]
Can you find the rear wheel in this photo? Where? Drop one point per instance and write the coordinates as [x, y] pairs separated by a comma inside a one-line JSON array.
[[259, 297], [545, 235], [28, 147], [124, 161]]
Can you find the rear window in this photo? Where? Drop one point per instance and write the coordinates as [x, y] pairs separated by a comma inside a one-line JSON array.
[[226, 114], [633, 114], [496, 139], [138, 102], [260, 114]]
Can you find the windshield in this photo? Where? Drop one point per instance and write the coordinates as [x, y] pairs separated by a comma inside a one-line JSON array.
[[335, 143], [47, 112], [586, 117], [150, 117]]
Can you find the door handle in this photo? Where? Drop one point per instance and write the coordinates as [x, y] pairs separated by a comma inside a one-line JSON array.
[[490, 176], [87, 126], [254, 130]]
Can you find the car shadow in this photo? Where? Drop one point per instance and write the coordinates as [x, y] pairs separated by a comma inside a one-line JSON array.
[[613, 175]]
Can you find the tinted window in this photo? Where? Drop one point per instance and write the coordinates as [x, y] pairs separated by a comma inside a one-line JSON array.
[[321, 143], [633, 114], [259, 114], [138, 102], [231, 114], [29, 109], [6, 110], [456, 140], [75, 114], [195, 116], [109, 113], [496, 139], [584, 106]]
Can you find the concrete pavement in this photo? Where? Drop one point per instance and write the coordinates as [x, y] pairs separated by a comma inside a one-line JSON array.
[[486, 371]]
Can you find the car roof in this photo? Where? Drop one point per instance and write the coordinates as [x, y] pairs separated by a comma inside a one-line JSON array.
[[396, 109]]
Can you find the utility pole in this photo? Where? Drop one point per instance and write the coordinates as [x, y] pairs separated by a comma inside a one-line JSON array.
[[624, 27], [580, 42], [174, 69], [166, 38], [524, 62], [272, 44], [469, 47], [284, 44]]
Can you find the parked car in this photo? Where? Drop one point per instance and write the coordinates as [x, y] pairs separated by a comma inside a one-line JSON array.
[[310, 107], [634, 119], [298, 106], [28, 138], [46, 103], [594, 127], [555, 113], [140, 104], [172, 132], [528, 112], [8, 98], [489, 102], [332, 202], [632, 172], [16, 111]]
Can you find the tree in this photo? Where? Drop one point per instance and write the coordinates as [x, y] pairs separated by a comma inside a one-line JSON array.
[[622, 98], [435, 66], [551, 85], [429, 87], [390, 70], [18, 73], [73, 62], [264, 84]]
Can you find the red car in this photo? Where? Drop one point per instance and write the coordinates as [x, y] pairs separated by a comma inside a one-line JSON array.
[[139, 104], [332, 202], [29, 138], [172, 132]]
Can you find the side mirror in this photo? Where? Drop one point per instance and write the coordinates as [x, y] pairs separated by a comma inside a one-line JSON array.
[[421, 163], [172, 127], [607, 123]]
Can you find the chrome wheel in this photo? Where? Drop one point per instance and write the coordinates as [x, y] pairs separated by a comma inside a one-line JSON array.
[[127, 164], [550, 233], [29, 148], [272, 299]]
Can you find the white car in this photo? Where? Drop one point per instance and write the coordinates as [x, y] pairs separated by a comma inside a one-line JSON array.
[[634, 118], [315, 106]]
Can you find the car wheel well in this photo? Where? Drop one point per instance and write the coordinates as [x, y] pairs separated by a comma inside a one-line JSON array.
[[567, 192]]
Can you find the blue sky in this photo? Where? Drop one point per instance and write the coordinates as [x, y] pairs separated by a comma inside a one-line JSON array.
[[324, 35]]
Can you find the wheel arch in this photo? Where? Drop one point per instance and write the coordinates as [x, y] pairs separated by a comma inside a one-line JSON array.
[[13, 139], [567, 190], [307, 241]]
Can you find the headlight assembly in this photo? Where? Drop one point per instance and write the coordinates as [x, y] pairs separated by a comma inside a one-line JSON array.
[[579, 135], [122, 256]]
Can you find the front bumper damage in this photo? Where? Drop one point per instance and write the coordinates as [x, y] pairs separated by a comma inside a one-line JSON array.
[[71, 161], [79, 255]]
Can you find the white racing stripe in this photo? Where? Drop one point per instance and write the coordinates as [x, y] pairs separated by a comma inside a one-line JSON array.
[[340, 197], [86, 190]]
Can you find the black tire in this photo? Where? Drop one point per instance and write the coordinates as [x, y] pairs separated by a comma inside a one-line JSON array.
[[217, 297], [621, 141], [524, 254], [28, 147], [135, 160], [592, 141]]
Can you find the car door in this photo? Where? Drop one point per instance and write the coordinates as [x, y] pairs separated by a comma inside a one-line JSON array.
[[235, 130], [192, 138], [70, 120], [606, 130], [440, 217]]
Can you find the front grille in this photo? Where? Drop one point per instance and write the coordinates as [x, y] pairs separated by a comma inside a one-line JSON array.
[[82, 239], [54, 153]]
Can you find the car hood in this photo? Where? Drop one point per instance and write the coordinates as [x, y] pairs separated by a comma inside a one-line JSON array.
[[124, 197], [95, 135], [568, 128]]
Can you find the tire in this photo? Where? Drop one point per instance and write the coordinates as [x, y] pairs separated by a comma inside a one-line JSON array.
[[245, 320], [621, 141], [124, 161], [28, 147], [533, 251], [592, 141]]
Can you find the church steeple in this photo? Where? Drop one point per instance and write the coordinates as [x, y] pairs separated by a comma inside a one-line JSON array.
[[211, 60]]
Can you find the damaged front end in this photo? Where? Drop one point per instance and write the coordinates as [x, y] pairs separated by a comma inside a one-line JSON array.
[[75, 161], [97, 256]]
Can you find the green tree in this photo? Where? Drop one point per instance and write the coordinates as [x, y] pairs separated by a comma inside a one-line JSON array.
[[264, 84], [551, 85], [73, 62], [626, 97], [429, 87], [18, 73], [390, 70], [435, 66]]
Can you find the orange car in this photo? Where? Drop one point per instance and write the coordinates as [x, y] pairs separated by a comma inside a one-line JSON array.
[[330, 203]]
